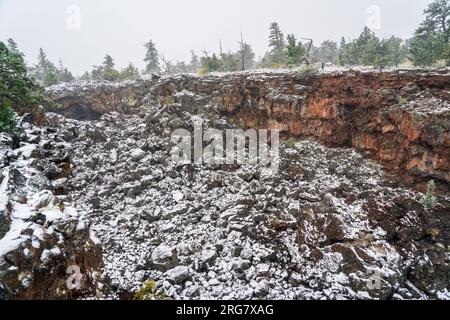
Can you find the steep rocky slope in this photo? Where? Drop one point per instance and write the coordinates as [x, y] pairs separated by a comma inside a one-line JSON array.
[[42, 234], [331, 224]]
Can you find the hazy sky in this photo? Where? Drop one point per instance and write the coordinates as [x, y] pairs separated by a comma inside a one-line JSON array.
[[80, 32]]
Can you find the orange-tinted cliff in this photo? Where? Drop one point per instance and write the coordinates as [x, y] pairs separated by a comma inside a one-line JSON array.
[[400, 118]]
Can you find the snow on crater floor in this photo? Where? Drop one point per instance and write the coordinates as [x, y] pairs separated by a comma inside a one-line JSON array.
[[316, 230]]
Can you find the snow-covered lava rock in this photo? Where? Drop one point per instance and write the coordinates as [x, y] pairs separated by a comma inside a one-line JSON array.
[[42, 234], [332, 224]]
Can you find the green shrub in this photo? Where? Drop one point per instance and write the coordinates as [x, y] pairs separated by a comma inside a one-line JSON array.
[[7, 119], [308, 71], [149, 292], [430, 201], [402, 101], [291, 142]]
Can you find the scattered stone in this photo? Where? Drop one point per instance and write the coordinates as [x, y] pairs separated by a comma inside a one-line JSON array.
[[164, 257], [178, 275]]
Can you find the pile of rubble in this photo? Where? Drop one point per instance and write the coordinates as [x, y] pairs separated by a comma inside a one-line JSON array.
[[42, 234], [329, 225]]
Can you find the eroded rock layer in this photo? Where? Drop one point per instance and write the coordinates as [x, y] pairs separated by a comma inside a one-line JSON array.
[[400, 118]]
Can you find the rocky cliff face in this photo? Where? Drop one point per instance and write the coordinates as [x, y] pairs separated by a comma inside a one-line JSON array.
[[42, 233], [399, 118], [332, 224]]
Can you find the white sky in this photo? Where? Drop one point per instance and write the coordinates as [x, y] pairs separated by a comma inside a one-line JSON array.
[[121, 27]]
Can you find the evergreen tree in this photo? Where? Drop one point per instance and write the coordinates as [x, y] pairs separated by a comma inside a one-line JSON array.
[[276, 56], [327, 52], [432, 37], [249, 56], [210, 64], [343, 52], [447, 55], [129, 73], [229, 62], [369, 50], [18, 90], [45, 71], [108, 63], [294, 50], [106, 71], [276, 38], [437, 18], [396, 51], [182, 67], [214, 63], [13, 47], [86, 76], [195, 62], [63, 74], [7, 119], [151, 58]]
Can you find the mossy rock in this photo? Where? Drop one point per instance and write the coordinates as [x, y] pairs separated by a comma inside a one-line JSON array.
[[149, 291]]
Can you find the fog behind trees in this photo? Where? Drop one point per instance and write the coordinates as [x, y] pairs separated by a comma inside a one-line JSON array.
[[121, 28]]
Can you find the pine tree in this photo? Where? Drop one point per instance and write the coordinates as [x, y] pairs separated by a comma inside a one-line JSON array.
[[228, 62], [276, 56], [369, 50], [108, 63], [106, 71], [130, 72], [18, 90], [395, 51], [432, 37], [45, 71], [63, 74], [447, 55], [327, 52], [342, 52], [7, 119], [86, 76], [13, 47], [437, 18], [248, 54], [42, 59], [294, 50], [367, 47], [195, 62], [210, 64], [151, 58], [276, 38], [214, 63]]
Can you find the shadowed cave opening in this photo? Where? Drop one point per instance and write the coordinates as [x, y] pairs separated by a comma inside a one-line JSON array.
[[79, 111]]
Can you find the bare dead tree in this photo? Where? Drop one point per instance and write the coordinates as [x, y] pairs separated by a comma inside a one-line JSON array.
[[242, 53], [167, 63], [306, 57]]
